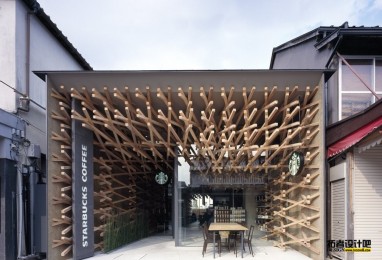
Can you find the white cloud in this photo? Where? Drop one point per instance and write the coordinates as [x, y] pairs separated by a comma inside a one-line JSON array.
[[377, 4], [193, 34]]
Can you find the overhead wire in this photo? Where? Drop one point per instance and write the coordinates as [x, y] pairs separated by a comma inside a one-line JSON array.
[[22, 94]]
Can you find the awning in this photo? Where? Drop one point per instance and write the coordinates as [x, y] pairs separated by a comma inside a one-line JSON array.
[[367, 145], [353, 138]]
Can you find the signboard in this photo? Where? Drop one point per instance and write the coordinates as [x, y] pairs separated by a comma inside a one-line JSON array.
[[296, 163], [161, 178], [239, 179], [82, 189]]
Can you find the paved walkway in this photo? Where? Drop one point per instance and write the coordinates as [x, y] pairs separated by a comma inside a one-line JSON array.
[[163, 247]]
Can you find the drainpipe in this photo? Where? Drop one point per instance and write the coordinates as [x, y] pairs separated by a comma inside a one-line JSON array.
[[28, 54], [326, 177], [32, 182], [25, 96], [24, 99], [20, 213]]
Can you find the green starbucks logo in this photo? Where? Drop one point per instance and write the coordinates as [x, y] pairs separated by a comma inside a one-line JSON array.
[[161, 178], [296, 163]]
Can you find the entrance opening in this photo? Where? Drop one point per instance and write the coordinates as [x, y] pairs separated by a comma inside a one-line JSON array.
[[225, 199]]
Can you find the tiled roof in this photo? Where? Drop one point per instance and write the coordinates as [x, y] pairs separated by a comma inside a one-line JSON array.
[[327, 34]]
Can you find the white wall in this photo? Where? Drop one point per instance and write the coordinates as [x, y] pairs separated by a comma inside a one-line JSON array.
[[46, 53], [7, 54]]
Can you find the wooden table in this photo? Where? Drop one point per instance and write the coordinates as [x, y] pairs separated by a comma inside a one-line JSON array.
[[214, 227]]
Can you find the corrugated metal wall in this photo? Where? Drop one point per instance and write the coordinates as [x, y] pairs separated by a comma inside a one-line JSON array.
[[368, 201], [338, 212]]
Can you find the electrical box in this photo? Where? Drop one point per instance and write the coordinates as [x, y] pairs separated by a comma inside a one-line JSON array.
[[34, 151]]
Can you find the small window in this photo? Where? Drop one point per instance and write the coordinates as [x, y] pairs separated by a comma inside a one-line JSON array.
[[350, 82], [354, 103], [378, 76]]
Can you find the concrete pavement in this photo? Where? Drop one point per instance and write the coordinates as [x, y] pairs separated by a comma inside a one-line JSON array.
[[163, 247]]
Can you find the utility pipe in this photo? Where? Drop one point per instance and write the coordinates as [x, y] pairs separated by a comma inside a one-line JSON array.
[[27, 54]]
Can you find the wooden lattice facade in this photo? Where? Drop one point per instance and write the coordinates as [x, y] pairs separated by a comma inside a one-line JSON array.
[[142, 125]]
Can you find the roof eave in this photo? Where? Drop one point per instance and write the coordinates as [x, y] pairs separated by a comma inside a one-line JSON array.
[[348, 32], [340, 129]]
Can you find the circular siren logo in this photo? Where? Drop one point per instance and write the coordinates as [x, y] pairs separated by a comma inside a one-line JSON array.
[[161, 178], [296, 163]]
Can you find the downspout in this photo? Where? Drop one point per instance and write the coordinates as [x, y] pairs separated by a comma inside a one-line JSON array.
[[31, 209], [20, 231], [327, 231], [326, 178], [24, 99], [28, 54], [26, 215]]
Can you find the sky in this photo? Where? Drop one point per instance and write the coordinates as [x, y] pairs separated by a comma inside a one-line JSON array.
[[196, 34]]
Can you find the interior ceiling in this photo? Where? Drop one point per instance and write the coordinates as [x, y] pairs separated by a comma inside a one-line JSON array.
[[225, 129], [225, 137]]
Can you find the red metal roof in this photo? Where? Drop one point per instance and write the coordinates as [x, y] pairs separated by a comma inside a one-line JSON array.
[[353, 138]]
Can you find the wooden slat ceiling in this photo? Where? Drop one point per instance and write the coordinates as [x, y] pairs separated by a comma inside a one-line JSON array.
[[227, 129], [142, 120]]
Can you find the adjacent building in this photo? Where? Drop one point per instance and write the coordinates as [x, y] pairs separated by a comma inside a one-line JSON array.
[[353, 122], [29, 42], [353, 52], [354, 156]]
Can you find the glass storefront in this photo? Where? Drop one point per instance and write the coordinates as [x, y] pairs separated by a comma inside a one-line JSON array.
[[204, 199]]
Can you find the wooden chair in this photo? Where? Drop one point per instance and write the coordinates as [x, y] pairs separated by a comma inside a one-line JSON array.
[[247, 240], [208, 238], [232, 239]]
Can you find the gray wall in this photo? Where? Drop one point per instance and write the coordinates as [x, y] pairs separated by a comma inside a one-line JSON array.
[[306, 56], [333, 95], [302, 56]]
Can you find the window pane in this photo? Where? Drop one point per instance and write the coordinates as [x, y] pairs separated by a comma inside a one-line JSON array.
[[378, 75], [350, 82], [354, 103]]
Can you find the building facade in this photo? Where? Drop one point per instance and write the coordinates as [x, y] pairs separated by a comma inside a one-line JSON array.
[[236, 130], [355, 55], [354, 152], [353, 123], [30, 42]]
